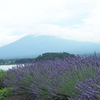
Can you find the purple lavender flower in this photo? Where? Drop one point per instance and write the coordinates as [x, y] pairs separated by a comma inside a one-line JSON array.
[[68, 79]]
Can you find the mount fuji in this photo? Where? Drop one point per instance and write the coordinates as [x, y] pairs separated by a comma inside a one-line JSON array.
[[31, 46]]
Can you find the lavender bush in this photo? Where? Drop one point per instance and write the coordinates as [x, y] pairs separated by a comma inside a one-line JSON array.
[[67, 79], [89, 89]]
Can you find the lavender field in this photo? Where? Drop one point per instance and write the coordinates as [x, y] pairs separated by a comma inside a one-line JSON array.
[[69, 79]]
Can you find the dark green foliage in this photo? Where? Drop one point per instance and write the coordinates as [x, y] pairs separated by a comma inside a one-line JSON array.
[[61, 97], [53, 56], [2, 77], [7, 61], [5, 92], [45, 56], [2, 61], [24, 60]]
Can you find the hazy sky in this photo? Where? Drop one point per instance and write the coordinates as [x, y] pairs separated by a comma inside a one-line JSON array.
[[70, 19]]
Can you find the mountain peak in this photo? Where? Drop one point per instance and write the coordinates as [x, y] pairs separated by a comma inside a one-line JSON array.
[[32, 46]]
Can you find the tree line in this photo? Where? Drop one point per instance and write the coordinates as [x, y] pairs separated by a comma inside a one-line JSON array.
[[53, 56], [44, 56]]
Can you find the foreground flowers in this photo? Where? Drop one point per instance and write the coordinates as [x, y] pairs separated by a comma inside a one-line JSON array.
[[69, 79]]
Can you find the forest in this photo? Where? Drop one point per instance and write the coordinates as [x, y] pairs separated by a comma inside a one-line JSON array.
[[44, 56], [53, 56]]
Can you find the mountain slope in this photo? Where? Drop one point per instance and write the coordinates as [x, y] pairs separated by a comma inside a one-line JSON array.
[[32, 46]]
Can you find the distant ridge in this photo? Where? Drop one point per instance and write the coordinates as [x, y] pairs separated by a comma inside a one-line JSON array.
[[32, 46]]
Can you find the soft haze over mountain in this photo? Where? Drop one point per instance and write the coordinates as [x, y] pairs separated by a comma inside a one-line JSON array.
[[32, 46], [77, 20]]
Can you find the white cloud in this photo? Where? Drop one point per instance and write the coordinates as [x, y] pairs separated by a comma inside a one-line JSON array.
[[66, 32], [47, 17], [94, 16], [8, 39], [29, 12]]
